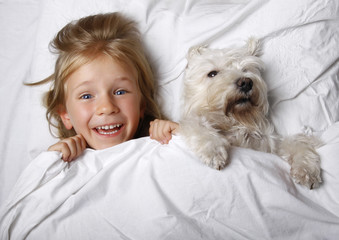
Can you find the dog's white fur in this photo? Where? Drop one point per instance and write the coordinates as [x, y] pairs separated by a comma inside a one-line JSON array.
[[225, 104]]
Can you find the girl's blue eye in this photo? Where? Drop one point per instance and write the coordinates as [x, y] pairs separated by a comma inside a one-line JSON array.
[[120, 92], [86, 96]]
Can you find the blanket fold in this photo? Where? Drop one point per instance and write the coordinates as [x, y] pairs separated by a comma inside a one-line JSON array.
[[144, 190]]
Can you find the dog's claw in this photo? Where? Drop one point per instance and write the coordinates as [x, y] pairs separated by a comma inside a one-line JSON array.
[[305, 175]]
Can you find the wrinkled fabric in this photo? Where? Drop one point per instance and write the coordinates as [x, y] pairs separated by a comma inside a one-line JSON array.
[[144, 190]]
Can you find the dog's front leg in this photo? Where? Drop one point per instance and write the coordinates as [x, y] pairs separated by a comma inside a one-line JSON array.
[[300, 152], [209, 145]]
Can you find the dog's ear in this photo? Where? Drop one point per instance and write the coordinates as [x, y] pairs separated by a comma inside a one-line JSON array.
[[253, 46], [195, 51]]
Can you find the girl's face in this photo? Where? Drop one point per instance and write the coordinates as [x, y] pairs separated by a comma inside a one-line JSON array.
[[103, 102]]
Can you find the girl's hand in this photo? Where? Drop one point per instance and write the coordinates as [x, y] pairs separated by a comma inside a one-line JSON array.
[[162, 130], [70, 148]]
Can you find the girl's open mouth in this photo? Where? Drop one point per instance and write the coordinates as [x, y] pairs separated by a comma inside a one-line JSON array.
[[108, 129]]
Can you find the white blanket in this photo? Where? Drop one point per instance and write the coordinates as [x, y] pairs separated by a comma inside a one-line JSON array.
[[143, 190]]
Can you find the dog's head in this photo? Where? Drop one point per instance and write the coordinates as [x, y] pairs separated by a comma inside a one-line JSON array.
[[227, 81]]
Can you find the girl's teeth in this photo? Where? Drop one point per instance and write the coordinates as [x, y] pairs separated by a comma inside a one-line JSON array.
[[107, 127], [104, 129], [107, 133]]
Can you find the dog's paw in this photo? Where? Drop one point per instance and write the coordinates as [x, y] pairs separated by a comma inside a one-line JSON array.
[[308, 176], [216, 158]]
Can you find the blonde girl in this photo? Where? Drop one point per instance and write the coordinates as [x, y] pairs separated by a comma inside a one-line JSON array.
[[102, 90]]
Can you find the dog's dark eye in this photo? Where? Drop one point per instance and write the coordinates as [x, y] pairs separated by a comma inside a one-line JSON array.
[[212, 74]]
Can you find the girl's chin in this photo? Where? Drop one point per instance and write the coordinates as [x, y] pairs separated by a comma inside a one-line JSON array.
[[102, 141], [102, 145]]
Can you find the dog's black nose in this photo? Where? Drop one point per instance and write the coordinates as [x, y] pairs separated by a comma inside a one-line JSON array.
[[244, 84]]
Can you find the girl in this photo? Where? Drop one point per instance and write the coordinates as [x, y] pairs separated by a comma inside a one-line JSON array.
[[102, 91]]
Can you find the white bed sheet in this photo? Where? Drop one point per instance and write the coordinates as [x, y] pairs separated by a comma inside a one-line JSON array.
[[300, 50], [145, 190]]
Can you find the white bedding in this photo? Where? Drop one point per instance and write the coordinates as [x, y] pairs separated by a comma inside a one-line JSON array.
[[142, 190]]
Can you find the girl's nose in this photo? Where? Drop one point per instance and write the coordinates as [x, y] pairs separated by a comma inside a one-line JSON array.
[[107, 106]]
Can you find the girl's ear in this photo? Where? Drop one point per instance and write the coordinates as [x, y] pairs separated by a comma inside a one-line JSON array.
[[65, 117]]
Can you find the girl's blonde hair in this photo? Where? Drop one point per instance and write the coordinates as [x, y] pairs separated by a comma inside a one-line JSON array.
[[80, 42]]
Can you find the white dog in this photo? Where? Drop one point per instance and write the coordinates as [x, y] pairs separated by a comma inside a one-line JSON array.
[[225, 104]]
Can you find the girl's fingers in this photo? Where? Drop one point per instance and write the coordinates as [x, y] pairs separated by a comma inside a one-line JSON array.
[[83, 143], [156, 130], [70, 147], [151, 129], [62, 147], [71, 144], [77, 145], [162, 130], [66, 151]]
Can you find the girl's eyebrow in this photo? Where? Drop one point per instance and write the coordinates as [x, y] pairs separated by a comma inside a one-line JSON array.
[[123, 78], [82, 84], [89, 82]]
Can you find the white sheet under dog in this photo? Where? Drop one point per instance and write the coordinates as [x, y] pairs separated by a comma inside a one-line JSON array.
[[144, 190]]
